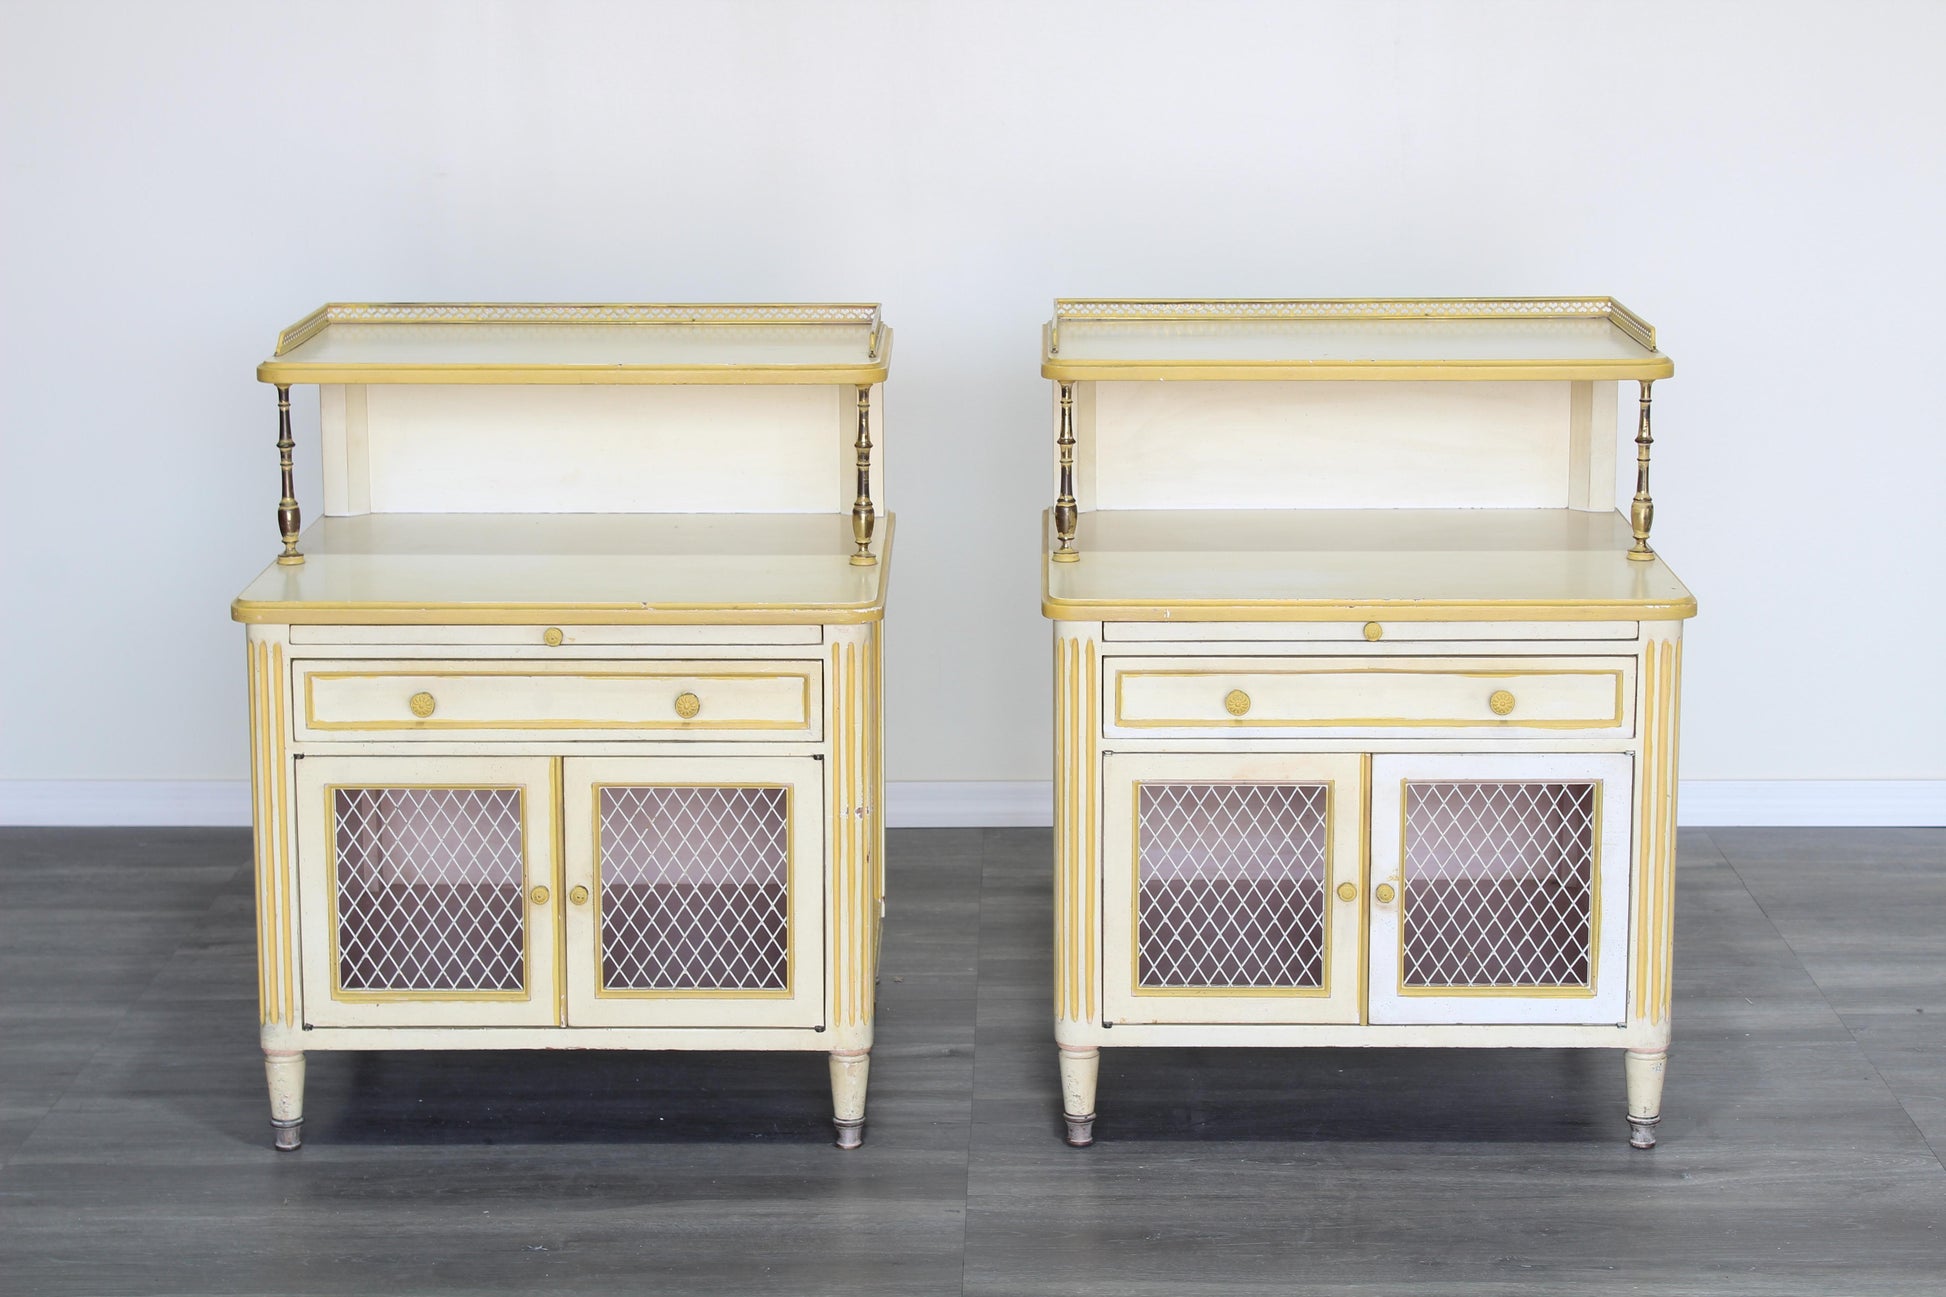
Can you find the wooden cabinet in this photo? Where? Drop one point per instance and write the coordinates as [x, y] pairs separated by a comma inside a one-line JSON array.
[[565, 716], [1366, 694]]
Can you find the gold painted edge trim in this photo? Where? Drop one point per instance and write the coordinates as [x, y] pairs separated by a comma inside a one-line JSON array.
[[260, 819], [283, 837], [311, 720], [1322, 991], [1091, 860], [332, 913], [405, 613], [1239, 722], [1234, 371], [604, 992], [1555, 991], [557, 789], [270, 612], [840, 849], [1365, 889], [1309, 610]]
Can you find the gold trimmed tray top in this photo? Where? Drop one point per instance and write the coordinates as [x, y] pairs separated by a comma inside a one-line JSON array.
[[579, 569], [1357, 564], [583, 342], [1515, 338]]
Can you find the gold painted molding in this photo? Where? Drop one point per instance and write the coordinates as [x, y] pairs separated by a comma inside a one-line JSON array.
[[1238, 719], [1656, 880], [1077, 869]]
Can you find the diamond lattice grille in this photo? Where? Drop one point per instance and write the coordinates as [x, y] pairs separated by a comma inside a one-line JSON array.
[[1499, 884], [694, 892], [1231, 880], [428, 889]]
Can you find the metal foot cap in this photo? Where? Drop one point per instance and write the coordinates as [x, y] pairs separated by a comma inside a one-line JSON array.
[[1641, 1131], [1081, 1130], [290, 1134], [851, 1134]]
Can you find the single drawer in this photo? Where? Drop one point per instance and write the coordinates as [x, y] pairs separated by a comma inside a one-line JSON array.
[[1195, 697], [588, 700]]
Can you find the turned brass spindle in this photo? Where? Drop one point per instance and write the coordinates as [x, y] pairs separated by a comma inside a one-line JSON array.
[[287, 515], [1641, 513], [862, 518], [1065, 513]]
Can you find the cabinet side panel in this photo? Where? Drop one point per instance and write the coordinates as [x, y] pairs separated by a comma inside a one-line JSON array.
[[1330, 445], [595, 449]]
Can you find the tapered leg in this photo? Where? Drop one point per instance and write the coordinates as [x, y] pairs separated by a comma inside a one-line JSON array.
[[1079, 1068], [849, 1072], [285, 1072], [1644, 1095]]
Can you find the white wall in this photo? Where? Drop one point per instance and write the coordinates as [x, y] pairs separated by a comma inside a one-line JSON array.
[[1764, 181]]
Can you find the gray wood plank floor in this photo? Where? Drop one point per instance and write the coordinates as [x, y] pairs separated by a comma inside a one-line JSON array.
[[1804, 1117]]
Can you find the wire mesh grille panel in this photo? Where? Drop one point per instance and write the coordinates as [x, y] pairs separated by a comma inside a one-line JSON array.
[[694, 888], [1499, 884], [427, 889], [1230, 884]]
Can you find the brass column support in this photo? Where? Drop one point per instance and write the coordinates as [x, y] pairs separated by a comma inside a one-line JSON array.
[[862, 518], [1065, 513], [287, 515], [1641, 513]]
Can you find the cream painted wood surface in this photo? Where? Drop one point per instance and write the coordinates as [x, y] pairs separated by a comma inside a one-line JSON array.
[[1604, 1000], [1336, 997], [319, 839], [1387, 565], [674, 700], [557, 639], [591, 1002], [1234, 445], [543, 569], [416, 448], [1159, 697]]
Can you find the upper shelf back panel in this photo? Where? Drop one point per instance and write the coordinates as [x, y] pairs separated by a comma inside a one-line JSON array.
[[1342, 338], [585, 343]]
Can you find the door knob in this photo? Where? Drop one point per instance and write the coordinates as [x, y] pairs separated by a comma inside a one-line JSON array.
[[1347, 891], [539, 895], [578, 894], [552, 637], [1383, 893]]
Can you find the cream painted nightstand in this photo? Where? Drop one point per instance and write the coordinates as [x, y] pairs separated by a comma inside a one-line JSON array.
[[1365, 693], [565, 718]]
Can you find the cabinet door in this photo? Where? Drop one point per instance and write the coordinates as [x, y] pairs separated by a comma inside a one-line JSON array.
[[1508, 884], [695, 891], [1232, 888], [425, 891]]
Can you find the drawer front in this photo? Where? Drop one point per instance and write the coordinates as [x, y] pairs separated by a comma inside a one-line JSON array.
[[1200, 697], [588, 700]]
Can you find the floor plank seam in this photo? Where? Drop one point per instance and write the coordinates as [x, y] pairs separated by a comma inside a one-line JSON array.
[[1850, 1035]]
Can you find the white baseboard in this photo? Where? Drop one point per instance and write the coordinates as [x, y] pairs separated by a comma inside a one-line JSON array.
[[970, 804]]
